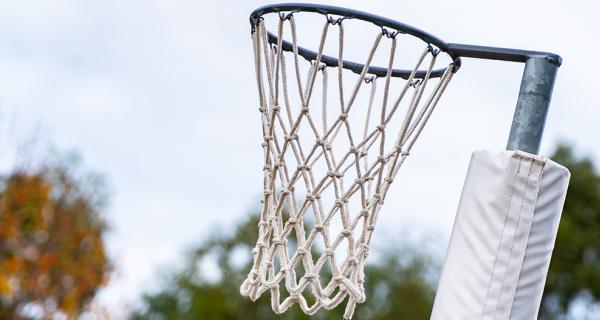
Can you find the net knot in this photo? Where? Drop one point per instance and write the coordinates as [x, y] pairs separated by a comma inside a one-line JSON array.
[[305, 110], [343, 116], [381, 127], [278, 164], [336, 174], [268, 138], [268, 192], [404, 153], [302, 251], [267, 168], [381, 159], [389, 179], [262, 109], [352, 261], [353, 149], [319, 227], [310, 275], [360, 181], [290, 137], [285, 191], [279, 241], [346, 232], [303, 167], [320, 142], [285, 269], [329, 252], [338, 278], [364, 213], [370, 227], [276, 108], [292, 221]]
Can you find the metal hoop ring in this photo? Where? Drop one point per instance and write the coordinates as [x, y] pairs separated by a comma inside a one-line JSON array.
[[382, 22]]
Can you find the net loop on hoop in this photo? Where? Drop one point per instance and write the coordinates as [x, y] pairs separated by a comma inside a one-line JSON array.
[[326, 175], [285, 16], [389, 34], [336, 21]]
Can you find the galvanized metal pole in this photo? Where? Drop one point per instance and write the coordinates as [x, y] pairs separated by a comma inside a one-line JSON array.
[[532, 105]]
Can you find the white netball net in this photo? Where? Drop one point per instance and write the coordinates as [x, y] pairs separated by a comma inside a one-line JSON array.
[[325, 178]]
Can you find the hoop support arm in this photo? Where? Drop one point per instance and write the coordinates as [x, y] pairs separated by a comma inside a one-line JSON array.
[[501, 54]]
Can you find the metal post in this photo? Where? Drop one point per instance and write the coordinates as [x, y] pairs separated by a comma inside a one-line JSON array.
[[532, 105]]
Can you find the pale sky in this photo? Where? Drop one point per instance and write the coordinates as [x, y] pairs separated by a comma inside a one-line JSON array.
[[160, 97]]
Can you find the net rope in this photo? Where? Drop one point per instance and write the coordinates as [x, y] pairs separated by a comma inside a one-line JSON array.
[[289, 164]]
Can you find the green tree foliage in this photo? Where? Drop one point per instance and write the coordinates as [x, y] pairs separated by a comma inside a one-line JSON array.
[[399, 276], [575, 267], [52, 255]]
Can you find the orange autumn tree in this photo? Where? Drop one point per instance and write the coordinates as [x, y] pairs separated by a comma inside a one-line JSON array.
[[52, 254]]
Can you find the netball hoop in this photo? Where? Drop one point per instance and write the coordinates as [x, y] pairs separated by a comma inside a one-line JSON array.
[[335, 134], [336, 156]]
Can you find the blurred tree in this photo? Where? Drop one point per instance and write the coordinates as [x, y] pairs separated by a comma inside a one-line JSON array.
[[52, 256], [400, 276], [574, 274]]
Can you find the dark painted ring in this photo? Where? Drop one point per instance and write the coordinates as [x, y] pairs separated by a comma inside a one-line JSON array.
[[382, 22]]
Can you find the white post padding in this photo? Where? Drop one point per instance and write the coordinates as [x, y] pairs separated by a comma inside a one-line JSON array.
[[503, 237]]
